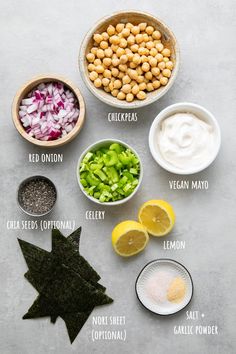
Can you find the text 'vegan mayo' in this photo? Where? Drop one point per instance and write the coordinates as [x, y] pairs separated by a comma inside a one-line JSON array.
[[185, 141]]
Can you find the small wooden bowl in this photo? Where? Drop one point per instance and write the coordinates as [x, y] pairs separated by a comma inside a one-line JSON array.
[[22, 93], [135, 17]]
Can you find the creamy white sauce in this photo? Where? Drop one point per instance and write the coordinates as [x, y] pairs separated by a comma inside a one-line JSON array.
[[185, 141]]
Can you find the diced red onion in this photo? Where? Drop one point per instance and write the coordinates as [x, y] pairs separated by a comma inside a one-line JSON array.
[[49, 111]]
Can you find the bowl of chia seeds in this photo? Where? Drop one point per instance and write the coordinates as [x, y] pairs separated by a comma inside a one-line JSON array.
[[37, 195]]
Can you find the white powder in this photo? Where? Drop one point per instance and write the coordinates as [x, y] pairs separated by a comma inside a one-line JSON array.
[[157, 286]]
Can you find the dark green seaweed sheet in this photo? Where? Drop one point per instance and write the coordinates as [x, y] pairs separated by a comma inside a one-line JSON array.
[[67, 283]]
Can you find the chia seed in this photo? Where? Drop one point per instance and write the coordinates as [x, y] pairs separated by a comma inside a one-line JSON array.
[[37, 195]]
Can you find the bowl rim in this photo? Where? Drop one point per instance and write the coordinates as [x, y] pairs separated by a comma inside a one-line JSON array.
[[105, 98], [175, 108], [93, 146], [34, 81], [27, 179], [173, 261]]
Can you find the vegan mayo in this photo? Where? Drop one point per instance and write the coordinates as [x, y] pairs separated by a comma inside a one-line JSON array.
[[185, 141]]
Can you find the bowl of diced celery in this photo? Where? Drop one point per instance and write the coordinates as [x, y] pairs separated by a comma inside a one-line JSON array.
[[109, 172]]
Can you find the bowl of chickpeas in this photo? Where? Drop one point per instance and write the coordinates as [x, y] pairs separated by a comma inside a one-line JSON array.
[[129, 59]]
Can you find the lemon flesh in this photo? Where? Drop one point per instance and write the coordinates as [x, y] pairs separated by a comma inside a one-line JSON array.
[[157, 216], [129, 238]]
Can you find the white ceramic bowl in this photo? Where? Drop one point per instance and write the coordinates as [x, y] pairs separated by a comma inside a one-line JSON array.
[[95, 146], [201, 113]]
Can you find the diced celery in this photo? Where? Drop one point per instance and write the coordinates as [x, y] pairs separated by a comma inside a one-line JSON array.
[[100, 174]]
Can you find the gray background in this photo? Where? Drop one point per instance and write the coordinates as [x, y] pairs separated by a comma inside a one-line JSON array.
[[44, 36]]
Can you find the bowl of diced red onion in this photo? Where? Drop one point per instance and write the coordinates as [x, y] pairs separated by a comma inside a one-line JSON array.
[[48, 111]]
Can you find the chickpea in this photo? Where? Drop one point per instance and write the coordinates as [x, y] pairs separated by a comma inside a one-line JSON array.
[[94, 50], [114, 47], [156, 84], [142, 26], [107, 89], [129, 97], [145, 37], [135, 30], [132, 65], [142, 44], [126, 32], [150, 45], [93, 75], [149, 30], [150, 87], [115, 61], [144, 59], [153, 52], [164, 80], [123, 67], [126, 79], [114, 40], [155, 71], [132, 83], [129, 25], [121, 95], [123, 43], [97, 62], [114, 72], [145, 67], [111, 85], [105, 81], [166, 73], [148, 75], [141, 95], [103, 45], [139, 70], [120, 27], [135, 89], [165, 59], [99, 69], [166, 52], [90, 57], [100, 53], [98, 83], [91, 67], [121, 75], [142, 86], [159, 47], [134, 48], [117, 84], [159, 57], [111, 30], [139, 38], [142, 51], [131, 40], [156, 35], [126, 88], [107, 73], [130, 56], [169, 65], [120, 52], [161, 65], [133, 74], [140, 79], [123, 59], [115, 92], [105, 36], [97, 38], [153, 62], [106, 61], [136, 59]]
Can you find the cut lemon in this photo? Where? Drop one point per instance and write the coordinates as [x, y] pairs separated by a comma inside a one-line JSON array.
[[129, 238], [157, 216]]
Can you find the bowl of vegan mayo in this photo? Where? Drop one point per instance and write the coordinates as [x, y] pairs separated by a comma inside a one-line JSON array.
[[184, 138]]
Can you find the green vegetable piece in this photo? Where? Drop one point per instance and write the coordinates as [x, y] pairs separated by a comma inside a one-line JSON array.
[[114, 187], [117, 148], [110, 158], [92, 180], [100, 174], [129, 176], [96, 166], [87, 157], [134, 171], [124, 159], [83, 182]]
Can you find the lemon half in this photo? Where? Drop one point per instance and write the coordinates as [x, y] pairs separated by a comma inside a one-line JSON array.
[[157, 216], [129, 238]]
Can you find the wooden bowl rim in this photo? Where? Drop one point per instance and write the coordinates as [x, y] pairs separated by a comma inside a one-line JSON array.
[[106, 97], [34, 82]]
